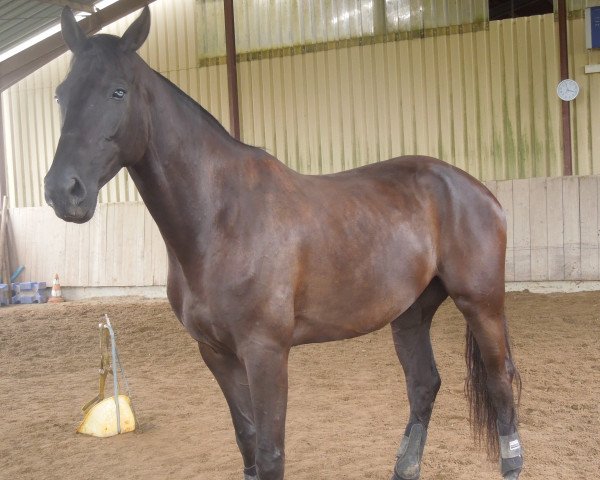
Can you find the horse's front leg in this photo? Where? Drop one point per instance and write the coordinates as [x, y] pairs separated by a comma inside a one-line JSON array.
[[231, 376], [267, 367]]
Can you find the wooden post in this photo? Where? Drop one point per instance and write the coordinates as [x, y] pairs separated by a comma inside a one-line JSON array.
[[4, 268], [2, 155], [564, 73], [234, 109]]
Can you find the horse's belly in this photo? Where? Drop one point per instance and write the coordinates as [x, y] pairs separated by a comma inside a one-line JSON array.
[[349, 314]]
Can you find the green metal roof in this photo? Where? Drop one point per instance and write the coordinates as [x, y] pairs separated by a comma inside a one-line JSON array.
[[21, 20]]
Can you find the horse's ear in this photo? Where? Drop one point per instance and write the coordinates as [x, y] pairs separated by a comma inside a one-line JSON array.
[[136, 34], [72, 33]]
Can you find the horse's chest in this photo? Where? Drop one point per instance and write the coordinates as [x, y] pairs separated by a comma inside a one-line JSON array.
[[192, 309], [199, 321]]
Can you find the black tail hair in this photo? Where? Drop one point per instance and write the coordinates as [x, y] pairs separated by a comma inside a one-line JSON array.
[[482, 413]]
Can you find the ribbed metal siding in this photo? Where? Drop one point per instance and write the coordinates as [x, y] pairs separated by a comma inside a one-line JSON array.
[[584, 109], [23, 19], [483, 100], [293, 24], [575, 5]]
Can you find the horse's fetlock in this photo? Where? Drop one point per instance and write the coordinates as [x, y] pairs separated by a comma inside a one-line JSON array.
[[250, 473], [270, 463]]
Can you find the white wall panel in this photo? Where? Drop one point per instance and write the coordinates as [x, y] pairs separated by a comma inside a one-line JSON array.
[[553, 235]]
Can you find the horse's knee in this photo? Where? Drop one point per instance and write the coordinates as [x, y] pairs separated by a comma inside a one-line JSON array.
[[270, 463]]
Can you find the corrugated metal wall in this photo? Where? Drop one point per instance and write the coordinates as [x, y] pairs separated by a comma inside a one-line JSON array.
[[574, 5], [482, 99], [303, 25], [584, 109]]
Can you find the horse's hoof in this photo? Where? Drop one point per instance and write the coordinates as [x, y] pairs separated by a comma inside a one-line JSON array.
[[512, 475], [395, 476], [411, 472]]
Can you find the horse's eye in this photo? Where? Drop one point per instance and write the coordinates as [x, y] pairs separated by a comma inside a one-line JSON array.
[[56, 98], [118, 94]]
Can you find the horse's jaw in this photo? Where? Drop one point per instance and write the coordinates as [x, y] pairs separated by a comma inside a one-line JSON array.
[[72, 213], [85, 217]]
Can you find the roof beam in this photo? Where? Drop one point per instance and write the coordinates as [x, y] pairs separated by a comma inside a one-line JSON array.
[[29, 60], [77, 6]]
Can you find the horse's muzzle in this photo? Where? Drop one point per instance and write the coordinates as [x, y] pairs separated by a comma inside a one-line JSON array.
[[69, 198]]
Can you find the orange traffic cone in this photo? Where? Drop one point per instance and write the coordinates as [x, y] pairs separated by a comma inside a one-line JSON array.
[[56, 293]]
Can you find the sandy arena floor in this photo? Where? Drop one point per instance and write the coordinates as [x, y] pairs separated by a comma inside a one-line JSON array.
[[347, 403]]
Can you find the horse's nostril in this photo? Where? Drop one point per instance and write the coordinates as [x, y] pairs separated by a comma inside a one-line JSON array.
[[76, 190]]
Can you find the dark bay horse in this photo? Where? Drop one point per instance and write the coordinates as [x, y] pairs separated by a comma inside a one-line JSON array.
[[262, 258]]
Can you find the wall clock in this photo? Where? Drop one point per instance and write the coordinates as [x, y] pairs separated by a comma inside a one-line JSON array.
[[567, 89]]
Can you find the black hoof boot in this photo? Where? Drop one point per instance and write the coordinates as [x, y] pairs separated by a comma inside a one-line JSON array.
[[408, 465], [512, 475], [511, 456], [250, 473]]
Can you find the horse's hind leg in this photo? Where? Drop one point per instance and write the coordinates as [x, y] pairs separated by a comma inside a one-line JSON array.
[[413, 346], [476, 284], [233, 380], [490, 378]]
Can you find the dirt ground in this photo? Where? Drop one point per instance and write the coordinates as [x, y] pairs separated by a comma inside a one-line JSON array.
[[347, 402]]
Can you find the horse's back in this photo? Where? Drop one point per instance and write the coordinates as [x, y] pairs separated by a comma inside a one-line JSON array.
[[444, 196], [460, 200]]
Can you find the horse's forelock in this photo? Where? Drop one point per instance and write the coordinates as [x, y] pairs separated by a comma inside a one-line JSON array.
[[105, 42], [102, 52]]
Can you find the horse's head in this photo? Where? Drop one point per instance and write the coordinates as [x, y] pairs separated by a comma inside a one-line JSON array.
[[104, 116]]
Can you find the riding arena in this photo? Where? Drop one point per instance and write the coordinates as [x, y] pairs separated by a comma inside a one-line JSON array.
[[315, 240]]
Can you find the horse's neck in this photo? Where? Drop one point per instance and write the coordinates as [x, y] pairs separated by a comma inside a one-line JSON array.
[[178, 179]]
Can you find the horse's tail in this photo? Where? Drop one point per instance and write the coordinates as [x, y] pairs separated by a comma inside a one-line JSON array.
[[482, 414]]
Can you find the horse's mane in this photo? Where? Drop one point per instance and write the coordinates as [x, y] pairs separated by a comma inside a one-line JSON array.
[[191, 102]]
